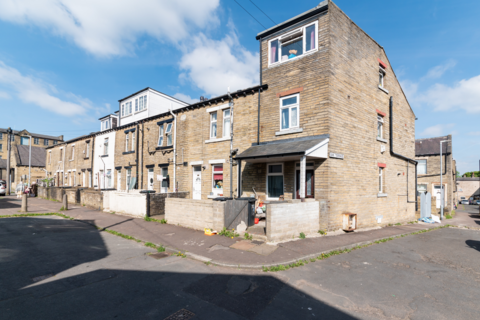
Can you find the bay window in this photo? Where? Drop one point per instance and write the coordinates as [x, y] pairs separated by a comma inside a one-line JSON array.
[[289, 112], [293, 44]]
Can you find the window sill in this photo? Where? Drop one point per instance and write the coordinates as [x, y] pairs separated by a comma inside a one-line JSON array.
[[217, 140], [137, 112], [104, 156], [127, 116], [383, 89], [213, 196], [272, 65], [163, 148], [382, 140], [86, 158], [289, 131], [70, 160], [128, 152], [382, 195]]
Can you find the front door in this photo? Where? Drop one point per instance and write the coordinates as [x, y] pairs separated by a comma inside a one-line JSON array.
[[101, 184], [438, 195], [119, 179], [150, 179], [309, 184], [197, 182]]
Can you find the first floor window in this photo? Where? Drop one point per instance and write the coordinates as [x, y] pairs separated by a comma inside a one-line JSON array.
[[380, 127], [145, 102], [133, 141], [140, 108], [105, 147], [129, 107], [126, 142], [226, 123], [88, 149], [422, 167], [55, 142], [73, 152], [213, 125], [169, 134], [1, 135], [123, 110], [380, 180], [160, 135], [36, 140], [217, 179], [136, 105], [289, 110], [274, 180], [381, 78], [45, 142], [1, 147]]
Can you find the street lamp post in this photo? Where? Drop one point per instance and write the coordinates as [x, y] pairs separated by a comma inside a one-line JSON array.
[[442, 189]]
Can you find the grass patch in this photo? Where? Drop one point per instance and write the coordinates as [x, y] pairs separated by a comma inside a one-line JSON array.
[[327, 255], [247, 236], [447, 216], [63, 209], [37, 215], [163, 221], [302, 235], [398, 224], [228, 233]]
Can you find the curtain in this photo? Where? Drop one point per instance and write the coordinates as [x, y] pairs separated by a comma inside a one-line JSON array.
[[275, 186], [274, 51], [285, 124]]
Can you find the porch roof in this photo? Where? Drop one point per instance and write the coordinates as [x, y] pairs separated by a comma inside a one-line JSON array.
[[312, 146]]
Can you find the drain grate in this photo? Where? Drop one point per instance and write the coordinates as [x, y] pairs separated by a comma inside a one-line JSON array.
[[181, 315], [40, 278], [158, 255]]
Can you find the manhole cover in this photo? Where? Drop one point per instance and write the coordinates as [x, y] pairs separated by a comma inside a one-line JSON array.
[[181, 315], [40, 278], [158, 255]]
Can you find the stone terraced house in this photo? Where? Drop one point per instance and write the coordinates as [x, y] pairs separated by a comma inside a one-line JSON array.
[[329, 122]]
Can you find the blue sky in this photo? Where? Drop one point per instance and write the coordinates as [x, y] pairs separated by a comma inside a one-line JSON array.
[[65, 63]]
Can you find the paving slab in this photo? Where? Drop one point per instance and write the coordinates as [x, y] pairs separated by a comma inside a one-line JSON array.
[[243, 245], [264, 249]]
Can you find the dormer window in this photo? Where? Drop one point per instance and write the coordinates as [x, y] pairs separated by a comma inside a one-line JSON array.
[[293, 44]]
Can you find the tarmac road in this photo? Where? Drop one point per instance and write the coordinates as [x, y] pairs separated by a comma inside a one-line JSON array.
[[52, 268]]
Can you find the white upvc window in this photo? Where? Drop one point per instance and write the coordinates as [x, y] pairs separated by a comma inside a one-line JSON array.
[[422, 187], [274, 180], [164, 180], [381, 75], [73, 152], [160, 135], [105, 147], [123, 110], [126, 141], [213, 125], [226, 123], [289, 112], [133, 141], [129, 176], [168, 132], [144, 102], [36, 141], [136, 105], [87, 151], [422, 167], [109, 178], [293, 44], [380, 127], [217, 178], [129, 107], [380, 180], [141, 104]]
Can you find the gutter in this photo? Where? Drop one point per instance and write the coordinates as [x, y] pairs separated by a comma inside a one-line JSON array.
[[394, 154]]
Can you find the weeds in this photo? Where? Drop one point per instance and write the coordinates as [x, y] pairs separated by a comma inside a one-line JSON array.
[[247, 236], [180, 254], [412, 222], [37, 214], [447, 216], [398, 224], [208, 263], [302, 235], [63, 209], [228, 233], [322, 232], [163, 221]]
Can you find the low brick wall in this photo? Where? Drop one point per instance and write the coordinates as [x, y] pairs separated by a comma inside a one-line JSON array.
[[91, 198], [54, 193], [287, 220], [195, 214], [157, 201], [71, 195]]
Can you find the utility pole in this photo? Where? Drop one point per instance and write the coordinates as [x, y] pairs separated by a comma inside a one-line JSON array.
[[9, 180], [30, 164], [442, 189]]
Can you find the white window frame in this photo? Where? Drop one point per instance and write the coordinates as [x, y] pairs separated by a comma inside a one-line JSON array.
[[380, 123], [211, 125], [426, 168], [380, 180], [168, 133], [381, 77], [422, 184], [109, 178], [304, 28], [119, 179], [133, 141], [274, 174], [136, 105], [128, 176], [36, 141], [123, 110], [297, 105], [216, 191], [126, 141], [87, 144], [144, 102], [140, 106], [73, 152], [162, 188], [160, 135], [105, 147], [89, 179], [229, 118]]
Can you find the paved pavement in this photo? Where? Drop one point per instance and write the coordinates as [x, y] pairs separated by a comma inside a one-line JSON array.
[[54, 268], [216, 249], [466, 216]]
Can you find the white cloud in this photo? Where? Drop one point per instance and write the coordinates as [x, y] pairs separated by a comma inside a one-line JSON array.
[[110, 27], [474, 133], [437, 130], [4, 95], [438, 71], [185, 98], [215, 65], [410, 89], [464, 94], [37, 92]]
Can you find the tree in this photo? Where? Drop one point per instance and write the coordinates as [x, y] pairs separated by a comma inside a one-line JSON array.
[[458, 174]]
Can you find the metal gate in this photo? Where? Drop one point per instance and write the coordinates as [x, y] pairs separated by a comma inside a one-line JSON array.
[[425, 205], [236, 211]]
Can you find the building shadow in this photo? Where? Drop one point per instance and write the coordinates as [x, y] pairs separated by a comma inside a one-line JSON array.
[[474, 244], [34, 250], [9, 202]]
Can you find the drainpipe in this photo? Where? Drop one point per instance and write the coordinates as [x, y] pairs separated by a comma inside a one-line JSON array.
[[402, 157], [137, 136], [141, 159], [258, 108], [174, 149], [230, 102], [91, 166], [63, 163]]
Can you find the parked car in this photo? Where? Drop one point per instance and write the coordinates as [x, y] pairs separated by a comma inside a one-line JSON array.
[[461, 199], [464, 201], [477, 202], [3, 187]]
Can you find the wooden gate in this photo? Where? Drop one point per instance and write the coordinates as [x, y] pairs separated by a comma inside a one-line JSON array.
[[236, 211]]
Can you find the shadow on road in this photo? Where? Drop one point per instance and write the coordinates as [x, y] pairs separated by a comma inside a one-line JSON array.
[[473, 244], [33, 249]]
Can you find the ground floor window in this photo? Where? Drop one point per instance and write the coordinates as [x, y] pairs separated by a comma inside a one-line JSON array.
[[274, 180], [217, 172], [119, 179], [380, 180], [422, 187], [164, 180], [129, 177], [89, 179], [109, 178]]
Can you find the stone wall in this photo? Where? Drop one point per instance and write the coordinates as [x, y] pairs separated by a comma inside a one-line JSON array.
[[195, 214], [52, 193], [91, 198], [157, 201], [468, 187], [288, 219]]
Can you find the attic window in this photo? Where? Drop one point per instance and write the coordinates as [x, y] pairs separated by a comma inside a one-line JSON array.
[[293, 44]]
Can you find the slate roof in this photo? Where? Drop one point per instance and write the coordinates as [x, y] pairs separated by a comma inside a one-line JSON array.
[[431, 146], [282, 147], [35, 135], [38, 156]]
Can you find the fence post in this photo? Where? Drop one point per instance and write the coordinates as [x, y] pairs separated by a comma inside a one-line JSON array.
[[65, 202], [24, 203]]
